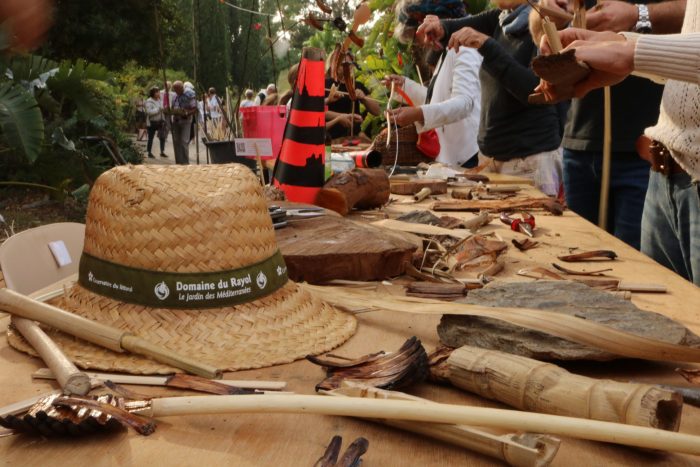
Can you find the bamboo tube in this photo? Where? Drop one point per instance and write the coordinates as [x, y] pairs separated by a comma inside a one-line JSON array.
[[71, 380], [97, 333], [564, 326], [535, 386], [431, 413], [45, 373], [523, 450], [422, 194]]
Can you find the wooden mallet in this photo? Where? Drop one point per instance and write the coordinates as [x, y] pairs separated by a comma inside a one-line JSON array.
[[100, 334]]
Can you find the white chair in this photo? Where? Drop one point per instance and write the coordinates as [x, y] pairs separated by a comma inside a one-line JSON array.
[[28, 263]]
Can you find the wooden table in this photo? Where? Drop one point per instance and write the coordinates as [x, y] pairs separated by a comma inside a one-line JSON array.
[[281, 440]]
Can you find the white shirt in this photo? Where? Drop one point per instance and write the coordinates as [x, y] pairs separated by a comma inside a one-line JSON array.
[[455, 106], [214, 108], [246, 103], [154, 111]]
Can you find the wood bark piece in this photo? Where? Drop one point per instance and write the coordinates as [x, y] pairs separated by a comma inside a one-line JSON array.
[[440, 291], [570, 327], [562, 70], [411, 187], [548, 204], [562, 297], [421, 229], [357, 188], [393, 370], [326, 248], [595, 255], [427, 413], [534, 386], [521, 450]]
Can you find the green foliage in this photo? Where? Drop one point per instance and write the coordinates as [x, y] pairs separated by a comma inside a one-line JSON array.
[[20, 121]]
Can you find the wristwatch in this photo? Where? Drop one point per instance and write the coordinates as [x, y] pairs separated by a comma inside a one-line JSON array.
[[643, 25]]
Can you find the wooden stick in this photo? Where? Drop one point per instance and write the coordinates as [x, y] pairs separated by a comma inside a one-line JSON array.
[[550, 29], [555, 13], [45, 373], [97, 333], [261, 168], [514, 449], [71, 380], [388, 121], [535, 386], [607, 158], [608, 432]]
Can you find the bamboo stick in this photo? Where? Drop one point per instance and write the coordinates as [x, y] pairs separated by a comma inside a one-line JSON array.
[[422, 194], [607, 158], [97, 333], [564, 326], [535, 386], [523, 450], [69, 377], [45, 373], [550, 30], [431, 413]]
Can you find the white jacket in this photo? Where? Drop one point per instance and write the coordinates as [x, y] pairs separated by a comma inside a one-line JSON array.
[[455, 106]]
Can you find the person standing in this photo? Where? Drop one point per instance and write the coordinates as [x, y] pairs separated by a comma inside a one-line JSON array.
[[183, 108], [451, 104], [167, 96], [155, 121], [515, 137], [583, 134], [249, 100], [213, 105]]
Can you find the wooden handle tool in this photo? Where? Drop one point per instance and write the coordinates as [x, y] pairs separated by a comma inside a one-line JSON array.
[[97, 333], [595, 430], [71, 379], [522, 450]]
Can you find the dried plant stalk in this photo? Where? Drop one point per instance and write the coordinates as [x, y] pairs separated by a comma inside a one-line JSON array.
[[564, 326], [528, 450], [536, 386]]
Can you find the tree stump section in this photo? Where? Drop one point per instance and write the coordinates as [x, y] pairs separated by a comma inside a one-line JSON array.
[[325, 248], [357, 188]]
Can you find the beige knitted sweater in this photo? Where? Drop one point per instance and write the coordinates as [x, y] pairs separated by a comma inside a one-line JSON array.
[[676, 57]]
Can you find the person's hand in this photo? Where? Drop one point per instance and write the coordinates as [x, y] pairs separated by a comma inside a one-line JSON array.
[[561, 5], [430, 32], [347, 120], [398, 79], [27, 21], [610, 63], [613, 16], [467, 37], [333, 95], [571, 35], [406, 115], [360, 95]]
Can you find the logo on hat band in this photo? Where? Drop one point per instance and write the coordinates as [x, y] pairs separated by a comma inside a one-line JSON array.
[[182, 290]]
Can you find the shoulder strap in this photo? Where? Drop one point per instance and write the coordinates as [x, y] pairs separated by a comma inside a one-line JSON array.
[[431, 86]]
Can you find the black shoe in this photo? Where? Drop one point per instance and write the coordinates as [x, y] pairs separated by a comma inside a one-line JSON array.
[[162, 154], [151, 156]]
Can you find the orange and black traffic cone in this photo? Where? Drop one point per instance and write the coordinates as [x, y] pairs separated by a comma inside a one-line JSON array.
[[299, 169]]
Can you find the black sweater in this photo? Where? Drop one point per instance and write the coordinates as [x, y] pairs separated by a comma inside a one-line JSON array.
[[509, 127]]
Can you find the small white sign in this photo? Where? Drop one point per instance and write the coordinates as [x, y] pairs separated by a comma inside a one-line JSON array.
[[252, 147], [60, 253]]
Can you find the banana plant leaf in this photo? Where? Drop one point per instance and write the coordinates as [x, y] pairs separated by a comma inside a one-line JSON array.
[[21, 123]]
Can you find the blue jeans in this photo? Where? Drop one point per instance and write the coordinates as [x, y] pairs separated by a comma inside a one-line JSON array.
[[629, 176], [671, 224]]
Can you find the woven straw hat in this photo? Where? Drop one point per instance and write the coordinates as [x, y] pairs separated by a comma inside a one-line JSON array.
[[187, 221]]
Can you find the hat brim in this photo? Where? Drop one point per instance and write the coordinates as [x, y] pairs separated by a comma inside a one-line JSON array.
[[282, 327]]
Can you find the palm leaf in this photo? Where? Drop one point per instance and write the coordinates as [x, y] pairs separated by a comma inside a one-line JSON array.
[[21, 121]]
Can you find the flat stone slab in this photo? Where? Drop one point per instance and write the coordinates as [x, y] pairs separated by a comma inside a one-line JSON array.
[[565, 297]]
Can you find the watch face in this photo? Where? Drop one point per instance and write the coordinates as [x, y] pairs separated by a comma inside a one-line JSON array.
[[644, 29]]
